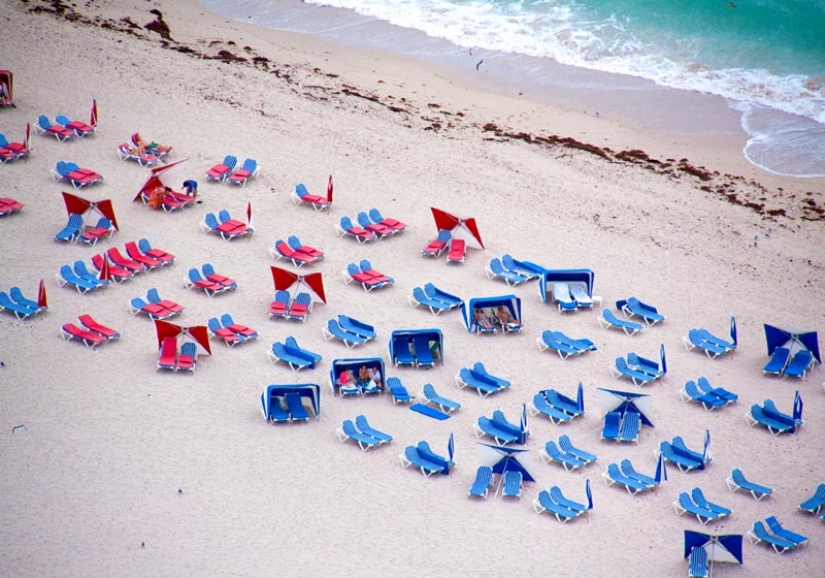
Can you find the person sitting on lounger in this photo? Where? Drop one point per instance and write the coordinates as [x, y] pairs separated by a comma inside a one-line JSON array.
[[156, 197], [483, 320], [506, 318], [374, 378]]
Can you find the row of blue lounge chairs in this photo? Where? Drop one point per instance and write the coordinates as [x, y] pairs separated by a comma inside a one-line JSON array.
[[554, 405], [292, 354], [293, 250], [554, 502], [695, 504], [626, 476], [348, 331], [76, 230], [510, 483], [640, 370], [623, 427], [775, 535], [564, 345], [478, 378], [701, 391], [423, 458], [364, 273], [18, 304], [433, 298], [230, 332], [226, 171], [703, 340], [413, 350], [286, 408], [565, 454], [769, 416], [783, 363], [62, 131], [676, 452], [571, 295], [500, 430], [510, 271], [362, 433]]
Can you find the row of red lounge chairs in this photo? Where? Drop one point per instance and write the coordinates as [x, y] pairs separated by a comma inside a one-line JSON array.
[[91, 334]]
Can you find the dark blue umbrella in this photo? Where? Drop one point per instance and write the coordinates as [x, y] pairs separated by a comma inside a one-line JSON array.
[[793, 339], [661, 470], [503, 459], [724, 548], [589, 494], [451, 447], [705, 449], [580, 397], [733, 331], [797, 410]]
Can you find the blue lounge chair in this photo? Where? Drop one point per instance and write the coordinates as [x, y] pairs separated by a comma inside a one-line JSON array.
[[778, 530], [296, 408], [549, 340], [512, 484], [628, 470], [411, 457], [612, 425], [696, 339], [684, 463], [429, 393], [466, 378], [778, 361], [567, 447], [438, 245], [551, 453], [500, 421], [398, 391], [296, 245], [699, 499], [691, 392], [17, 296], [678, 445], [221, 171], [249, 170], [633, 307], [558, 497], [280, 304], [485, 426], [159, 254], [815, 503], [613, 475], [495, 270], [435, 306], [229, 337], [242, 330], [365, 428], [352, 325], [799, 364], [300, 307], [346, 227], [622, 369], [348, 431], [333, 330], [427, 454], [279, 352], [518, 267], [481, 372], [578, 291], [291, 345], [402, 351], [436, 293], [544, 503], [581, 344], [685, 505], [647, 366], [68, 276], [631, 424], [607, 320], [562, 297], [396, 225], [737, 481], [421, 350], [770, 409], [72, 229], [481, 485], [759, 534], [540, 405], [377, 228], [302, 195], [698, 562], [562, 402], [705, 386], [757, 415], [19, 310], [277, 413]]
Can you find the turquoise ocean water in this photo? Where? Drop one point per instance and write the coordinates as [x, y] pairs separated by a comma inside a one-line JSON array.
[[766, 58]]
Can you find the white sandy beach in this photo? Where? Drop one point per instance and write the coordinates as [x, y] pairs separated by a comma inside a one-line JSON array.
[[90, 487]]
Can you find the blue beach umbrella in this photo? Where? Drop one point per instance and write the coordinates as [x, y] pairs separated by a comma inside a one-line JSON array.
[[724, 548], [451, 447], [624, 401], [504, 459], [580, 397], [733, 331], [661, 470], [797, 410], [589, 494], [662, 360], [705, 449], [523, 425]]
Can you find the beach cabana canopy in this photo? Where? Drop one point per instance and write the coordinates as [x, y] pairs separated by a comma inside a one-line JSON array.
[[461, 228], [7, 86], [293, 283], [725, 548], [511, 302], [549, 276], [504, 459], [91, 211], [163, 176], [793, 339], [197, 334], [401, 338], [310, 391], [353, 363], [624, 401]]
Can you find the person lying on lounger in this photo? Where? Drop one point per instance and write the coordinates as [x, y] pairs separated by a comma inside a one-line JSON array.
[[151, 147], [506, 318], [483, 320]]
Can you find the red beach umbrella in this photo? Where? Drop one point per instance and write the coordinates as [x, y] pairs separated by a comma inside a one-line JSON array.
[[461, 228], [93, 117], [329, 191], [198, 334], [91, 211], [163, 176], [313, 283], [105, 273], [42, 300]]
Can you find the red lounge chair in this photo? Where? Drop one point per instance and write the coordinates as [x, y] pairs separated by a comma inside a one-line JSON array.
[[296, 245], [118, 274], [438, 245], [249, 170], [376, 217], [229, 337], [153, 310], [9, 205], [298, 258], [116, 257], [160, 254], [187, 358], [457, 249], [152, 296], [279, 305], [301, 195], [242, 330], [167, 359], [95, 327], [346, 227], [71, 331], [45, 127], [134, 253], [221, 171]]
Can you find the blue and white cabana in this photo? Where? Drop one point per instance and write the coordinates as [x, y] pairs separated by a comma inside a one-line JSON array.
[[625, 401], [355, 363], [511, 302], [402, 343], [309, 391], [551, 276]]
